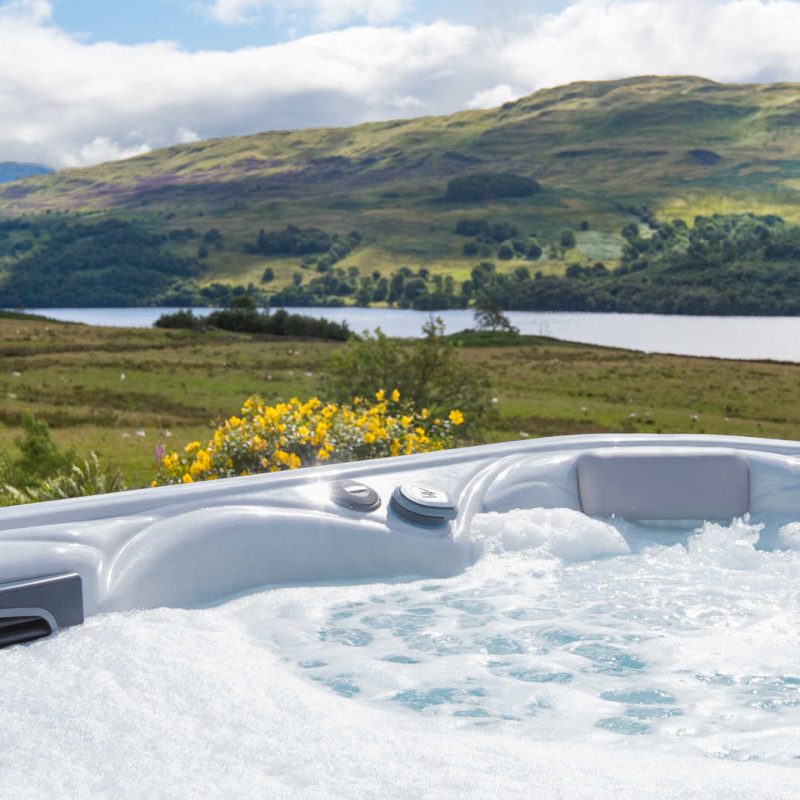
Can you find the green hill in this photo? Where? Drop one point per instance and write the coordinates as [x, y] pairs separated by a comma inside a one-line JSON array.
[[543, 183]]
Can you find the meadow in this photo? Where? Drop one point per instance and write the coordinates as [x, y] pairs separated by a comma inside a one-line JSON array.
[[121, 392]]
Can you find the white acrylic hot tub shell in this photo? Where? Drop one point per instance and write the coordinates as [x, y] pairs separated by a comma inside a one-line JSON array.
[[196, 544]]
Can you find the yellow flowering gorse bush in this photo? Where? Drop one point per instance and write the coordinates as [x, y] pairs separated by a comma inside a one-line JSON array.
[[296, 434]]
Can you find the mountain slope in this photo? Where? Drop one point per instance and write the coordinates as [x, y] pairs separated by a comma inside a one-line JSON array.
[[15, 171], [600, 152]]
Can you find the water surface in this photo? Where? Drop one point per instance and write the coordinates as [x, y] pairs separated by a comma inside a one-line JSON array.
[[775, 338]]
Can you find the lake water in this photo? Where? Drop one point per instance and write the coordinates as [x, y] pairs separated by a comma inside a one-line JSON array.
[[776, 338]]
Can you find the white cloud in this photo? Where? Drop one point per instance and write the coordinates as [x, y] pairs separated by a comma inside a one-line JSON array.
[[35, 10], [186, 135], [324, 13], [235, 12], [64, 101], [491, 98], [102, 149], [731, 40]]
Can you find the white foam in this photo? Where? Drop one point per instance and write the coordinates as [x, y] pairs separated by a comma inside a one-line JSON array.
[[666, 670], [729, 546], [789, 536], [564, 533]]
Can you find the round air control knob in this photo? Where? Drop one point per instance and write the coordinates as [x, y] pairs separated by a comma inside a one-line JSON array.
[[423, 505], [354, 495]]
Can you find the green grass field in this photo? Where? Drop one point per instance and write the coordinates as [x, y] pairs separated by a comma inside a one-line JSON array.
[[177, 383]]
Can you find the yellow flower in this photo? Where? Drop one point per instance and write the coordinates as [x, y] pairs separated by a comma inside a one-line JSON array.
[[272, 438], [456, 417], [202, 462]]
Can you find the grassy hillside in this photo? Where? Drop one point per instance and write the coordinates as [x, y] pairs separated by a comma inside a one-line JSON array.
[[123, 391], [600, 152]]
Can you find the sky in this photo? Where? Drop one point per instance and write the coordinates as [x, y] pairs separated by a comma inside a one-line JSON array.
[[86, 81]]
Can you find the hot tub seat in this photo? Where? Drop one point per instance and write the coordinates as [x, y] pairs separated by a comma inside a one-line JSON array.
[[648, 483]]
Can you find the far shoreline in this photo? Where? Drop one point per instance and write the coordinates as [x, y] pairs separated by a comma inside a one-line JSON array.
[[770, 338]]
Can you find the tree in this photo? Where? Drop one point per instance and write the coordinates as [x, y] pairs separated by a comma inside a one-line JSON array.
[[505, 252], [244, 303], [568, 240], [489, 317], [534, 252], [268, 275]]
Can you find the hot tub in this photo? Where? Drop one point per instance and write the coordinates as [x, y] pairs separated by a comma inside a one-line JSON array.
[[186, 546], [592, 616]]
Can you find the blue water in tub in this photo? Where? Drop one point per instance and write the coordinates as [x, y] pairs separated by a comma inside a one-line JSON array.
[[588, 658]]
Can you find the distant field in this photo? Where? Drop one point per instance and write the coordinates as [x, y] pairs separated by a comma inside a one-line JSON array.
[[177, 383]]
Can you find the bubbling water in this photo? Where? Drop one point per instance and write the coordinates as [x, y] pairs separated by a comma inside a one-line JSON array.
[[566, 625], [681, 642]]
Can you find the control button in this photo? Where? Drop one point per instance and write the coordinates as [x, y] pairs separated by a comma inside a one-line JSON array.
[[354, 495], [423, 505]]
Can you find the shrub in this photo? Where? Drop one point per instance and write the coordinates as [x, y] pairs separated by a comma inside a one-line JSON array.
[[83, 478], [505, 252], [568, 239], [534, 252], [428, 372], [279, 323], [40, 471], [179, 319], [301, 434], [37, 457]]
